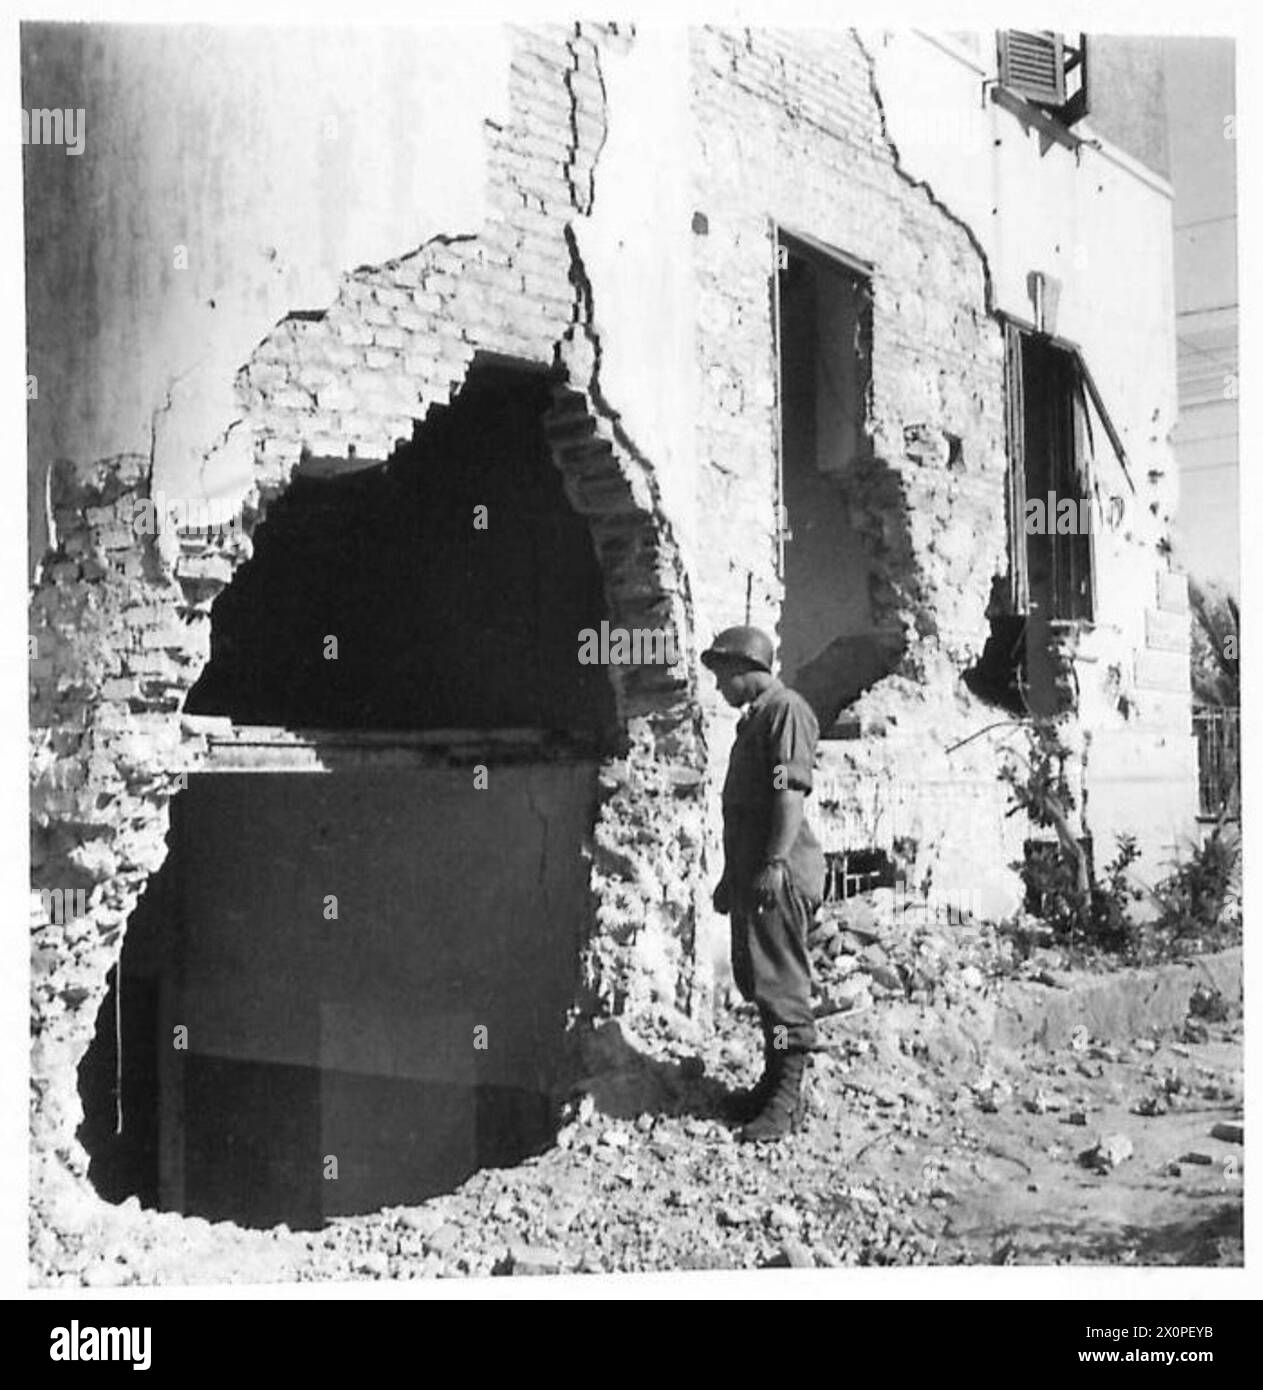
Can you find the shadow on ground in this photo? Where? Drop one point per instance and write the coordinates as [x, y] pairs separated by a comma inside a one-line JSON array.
[[1216, 1241]]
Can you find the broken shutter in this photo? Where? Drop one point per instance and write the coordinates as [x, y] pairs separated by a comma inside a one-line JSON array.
[[1046, 426], [1074, 552], [1033, 66], [1037, 66], [1015, 432]]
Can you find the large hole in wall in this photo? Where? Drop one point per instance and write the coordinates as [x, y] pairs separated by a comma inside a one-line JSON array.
[[349, 990], [444, 615], [829, 649]]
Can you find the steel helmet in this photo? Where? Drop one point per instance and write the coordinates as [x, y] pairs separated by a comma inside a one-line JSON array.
[[750, 644]]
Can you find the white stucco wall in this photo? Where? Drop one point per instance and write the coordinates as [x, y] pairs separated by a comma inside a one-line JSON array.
[[278, 159], [1100, 223], [636, 248]]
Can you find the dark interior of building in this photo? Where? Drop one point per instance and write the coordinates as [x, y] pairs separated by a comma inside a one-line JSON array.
[[439, 622], [828, 649], [349, 990]]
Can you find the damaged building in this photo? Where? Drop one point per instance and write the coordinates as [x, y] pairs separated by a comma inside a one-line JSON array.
[[355, 405]]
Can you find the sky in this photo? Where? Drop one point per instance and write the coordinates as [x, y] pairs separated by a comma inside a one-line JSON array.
[[1200, 107]]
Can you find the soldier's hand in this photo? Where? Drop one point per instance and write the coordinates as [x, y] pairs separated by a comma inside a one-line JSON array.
[[721, 899], [769, 883]]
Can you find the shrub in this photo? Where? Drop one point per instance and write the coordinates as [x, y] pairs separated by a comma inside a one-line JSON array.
[[1200, 898], [1082, 909]]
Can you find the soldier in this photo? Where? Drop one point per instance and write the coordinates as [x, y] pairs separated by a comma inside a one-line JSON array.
[[774, 871]]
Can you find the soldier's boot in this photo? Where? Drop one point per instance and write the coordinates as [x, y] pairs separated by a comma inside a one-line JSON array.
[[785, 1108], [744, 1106]]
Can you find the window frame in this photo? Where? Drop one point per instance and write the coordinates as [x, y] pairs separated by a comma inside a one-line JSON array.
[[1080, 464], [1013, 44]]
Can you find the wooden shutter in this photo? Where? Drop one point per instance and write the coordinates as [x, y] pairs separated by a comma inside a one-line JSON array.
[[1074, 565], [1015, 432], [1076, 106], [1033, 66]]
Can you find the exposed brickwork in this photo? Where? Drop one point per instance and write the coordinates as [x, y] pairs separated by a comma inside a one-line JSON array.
[[787, 126], [121, 618], [790, 127]]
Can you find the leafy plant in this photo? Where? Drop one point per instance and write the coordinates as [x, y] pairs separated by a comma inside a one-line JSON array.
[[1038, 784], [1215, 646], [1200, 898], [1111, 923], [1059, 881]]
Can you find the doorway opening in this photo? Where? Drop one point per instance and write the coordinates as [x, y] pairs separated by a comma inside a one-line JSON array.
[[829, 649]]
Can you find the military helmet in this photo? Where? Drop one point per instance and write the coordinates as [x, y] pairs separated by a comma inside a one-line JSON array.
[[750, 644]]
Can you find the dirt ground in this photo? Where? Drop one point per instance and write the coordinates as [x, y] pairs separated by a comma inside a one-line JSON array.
[[923, 1145]]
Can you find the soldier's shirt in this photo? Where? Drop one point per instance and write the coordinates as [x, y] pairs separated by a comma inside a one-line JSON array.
[[774, 750]]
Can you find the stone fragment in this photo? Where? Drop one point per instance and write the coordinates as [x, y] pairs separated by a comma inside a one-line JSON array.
[[533, 1260], [421, 1220], [1043, 1101], [885, 977], [1109, 1152], [796, 1255], [443, 1241], [784, 1216]]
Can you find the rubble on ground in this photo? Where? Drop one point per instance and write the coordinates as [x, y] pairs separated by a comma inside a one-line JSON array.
[[922, 1146]]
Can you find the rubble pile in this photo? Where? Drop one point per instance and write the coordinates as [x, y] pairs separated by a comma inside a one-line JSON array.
[[915, 1151], [882, 943]]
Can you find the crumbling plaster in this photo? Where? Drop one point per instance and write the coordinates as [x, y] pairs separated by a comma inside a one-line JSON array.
[[618, 231], [121, 620], [245, 149], [1100, 223]]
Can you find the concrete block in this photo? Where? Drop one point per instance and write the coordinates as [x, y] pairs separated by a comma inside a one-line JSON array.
[[1165, 671], [1167, 630], [1173, 592]]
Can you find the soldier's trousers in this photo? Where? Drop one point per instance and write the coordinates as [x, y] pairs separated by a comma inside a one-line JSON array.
[[771, 966]]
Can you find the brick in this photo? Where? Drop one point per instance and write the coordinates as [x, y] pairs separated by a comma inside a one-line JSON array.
[[217, 567], [391, 297], [354, 331]]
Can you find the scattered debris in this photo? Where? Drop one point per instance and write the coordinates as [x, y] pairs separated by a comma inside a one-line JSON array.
[[1109, 1151]]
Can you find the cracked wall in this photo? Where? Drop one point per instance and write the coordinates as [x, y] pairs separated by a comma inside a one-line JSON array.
[[598, 206], [883, 147], [791, 127], [1100, 226], [121, 620]]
